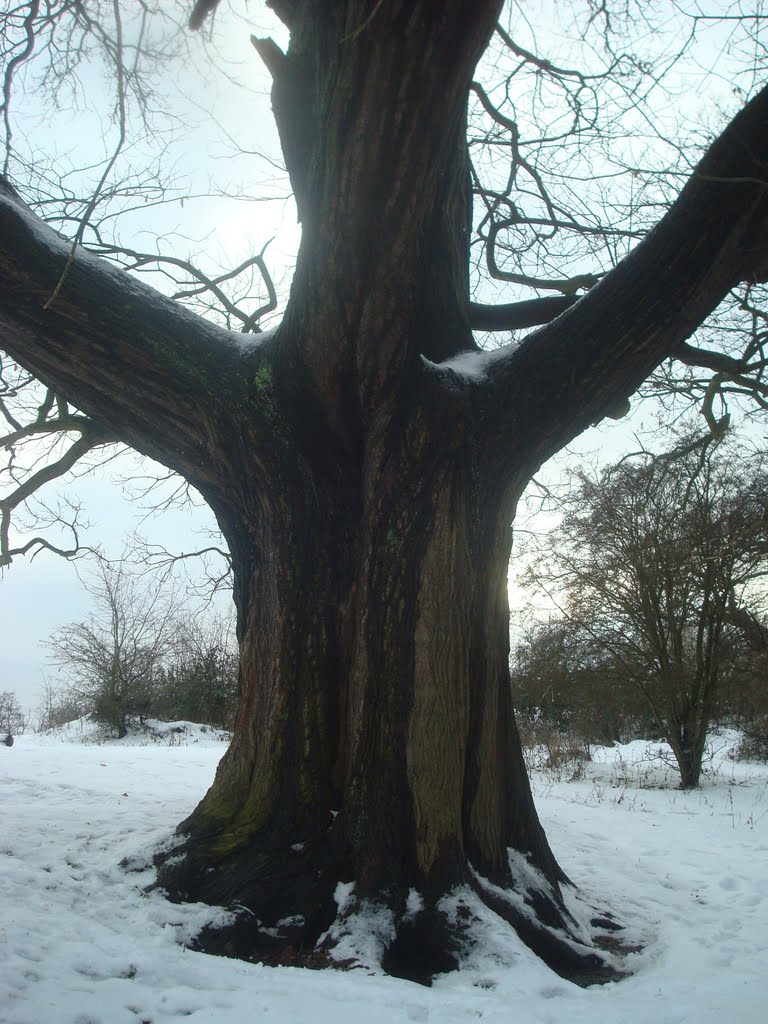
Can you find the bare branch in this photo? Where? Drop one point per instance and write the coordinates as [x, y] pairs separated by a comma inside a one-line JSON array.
[[120, 85], [91, 437], [691, 355], [517, 315], [201, 10]]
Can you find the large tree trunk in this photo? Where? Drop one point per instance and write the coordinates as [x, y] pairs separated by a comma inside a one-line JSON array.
[[375, 742]]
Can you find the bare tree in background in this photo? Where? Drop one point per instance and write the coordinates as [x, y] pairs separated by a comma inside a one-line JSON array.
[[565, 684], [13, 720], [198, 683], [58, 706], [112, 661], [364, 460], [656, 564]]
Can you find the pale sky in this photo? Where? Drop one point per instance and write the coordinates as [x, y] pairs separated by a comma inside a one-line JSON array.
[[37, 596]]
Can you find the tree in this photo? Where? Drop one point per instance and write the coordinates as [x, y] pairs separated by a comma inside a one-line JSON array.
[[13, 721], [114, 658], [566, 682], [59, 705], [199, 682], [364, 461], [658, 562]]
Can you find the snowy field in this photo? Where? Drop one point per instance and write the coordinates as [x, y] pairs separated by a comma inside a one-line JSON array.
[[81, 943]]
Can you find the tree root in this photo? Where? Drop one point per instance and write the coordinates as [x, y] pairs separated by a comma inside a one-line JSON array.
[[297, 910]]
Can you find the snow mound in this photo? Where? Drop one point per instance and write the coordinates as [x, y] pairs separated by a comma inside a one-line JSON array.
[[150, 732]]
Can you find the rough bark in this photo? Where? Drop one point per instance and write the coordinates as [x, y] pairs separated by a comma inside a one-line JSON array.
[[366, 487]]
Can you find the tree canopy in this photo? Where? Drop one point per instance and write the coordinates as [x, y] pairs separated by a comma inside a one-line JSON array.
[[581, 129], [365, 457]]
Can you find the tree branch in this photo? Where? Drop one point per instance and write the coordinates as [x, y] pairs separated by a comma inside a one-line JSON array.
[[90, 438], [708, 359], [517, 315], [294, 87], [570, 373], [201, 10], [249, 321], [127, 356]]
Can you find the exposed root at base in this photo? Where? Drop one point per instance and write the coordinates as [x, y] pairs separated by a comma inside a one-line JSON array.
[[296, 913]]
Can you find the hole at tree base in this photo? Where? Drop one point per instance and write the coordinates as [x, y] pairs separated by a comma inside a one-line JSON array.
[[423, 948]]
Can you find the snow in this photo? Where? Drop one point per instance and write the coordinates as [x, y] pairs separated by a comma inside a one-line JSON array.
[[472, 365], [150, 733], [84, 943], [469, 367], [250, 341], [360, 935]]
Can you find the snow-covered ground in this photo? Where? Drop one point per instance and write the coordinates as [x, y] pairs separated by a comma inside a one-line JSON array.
[[82, 943]]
